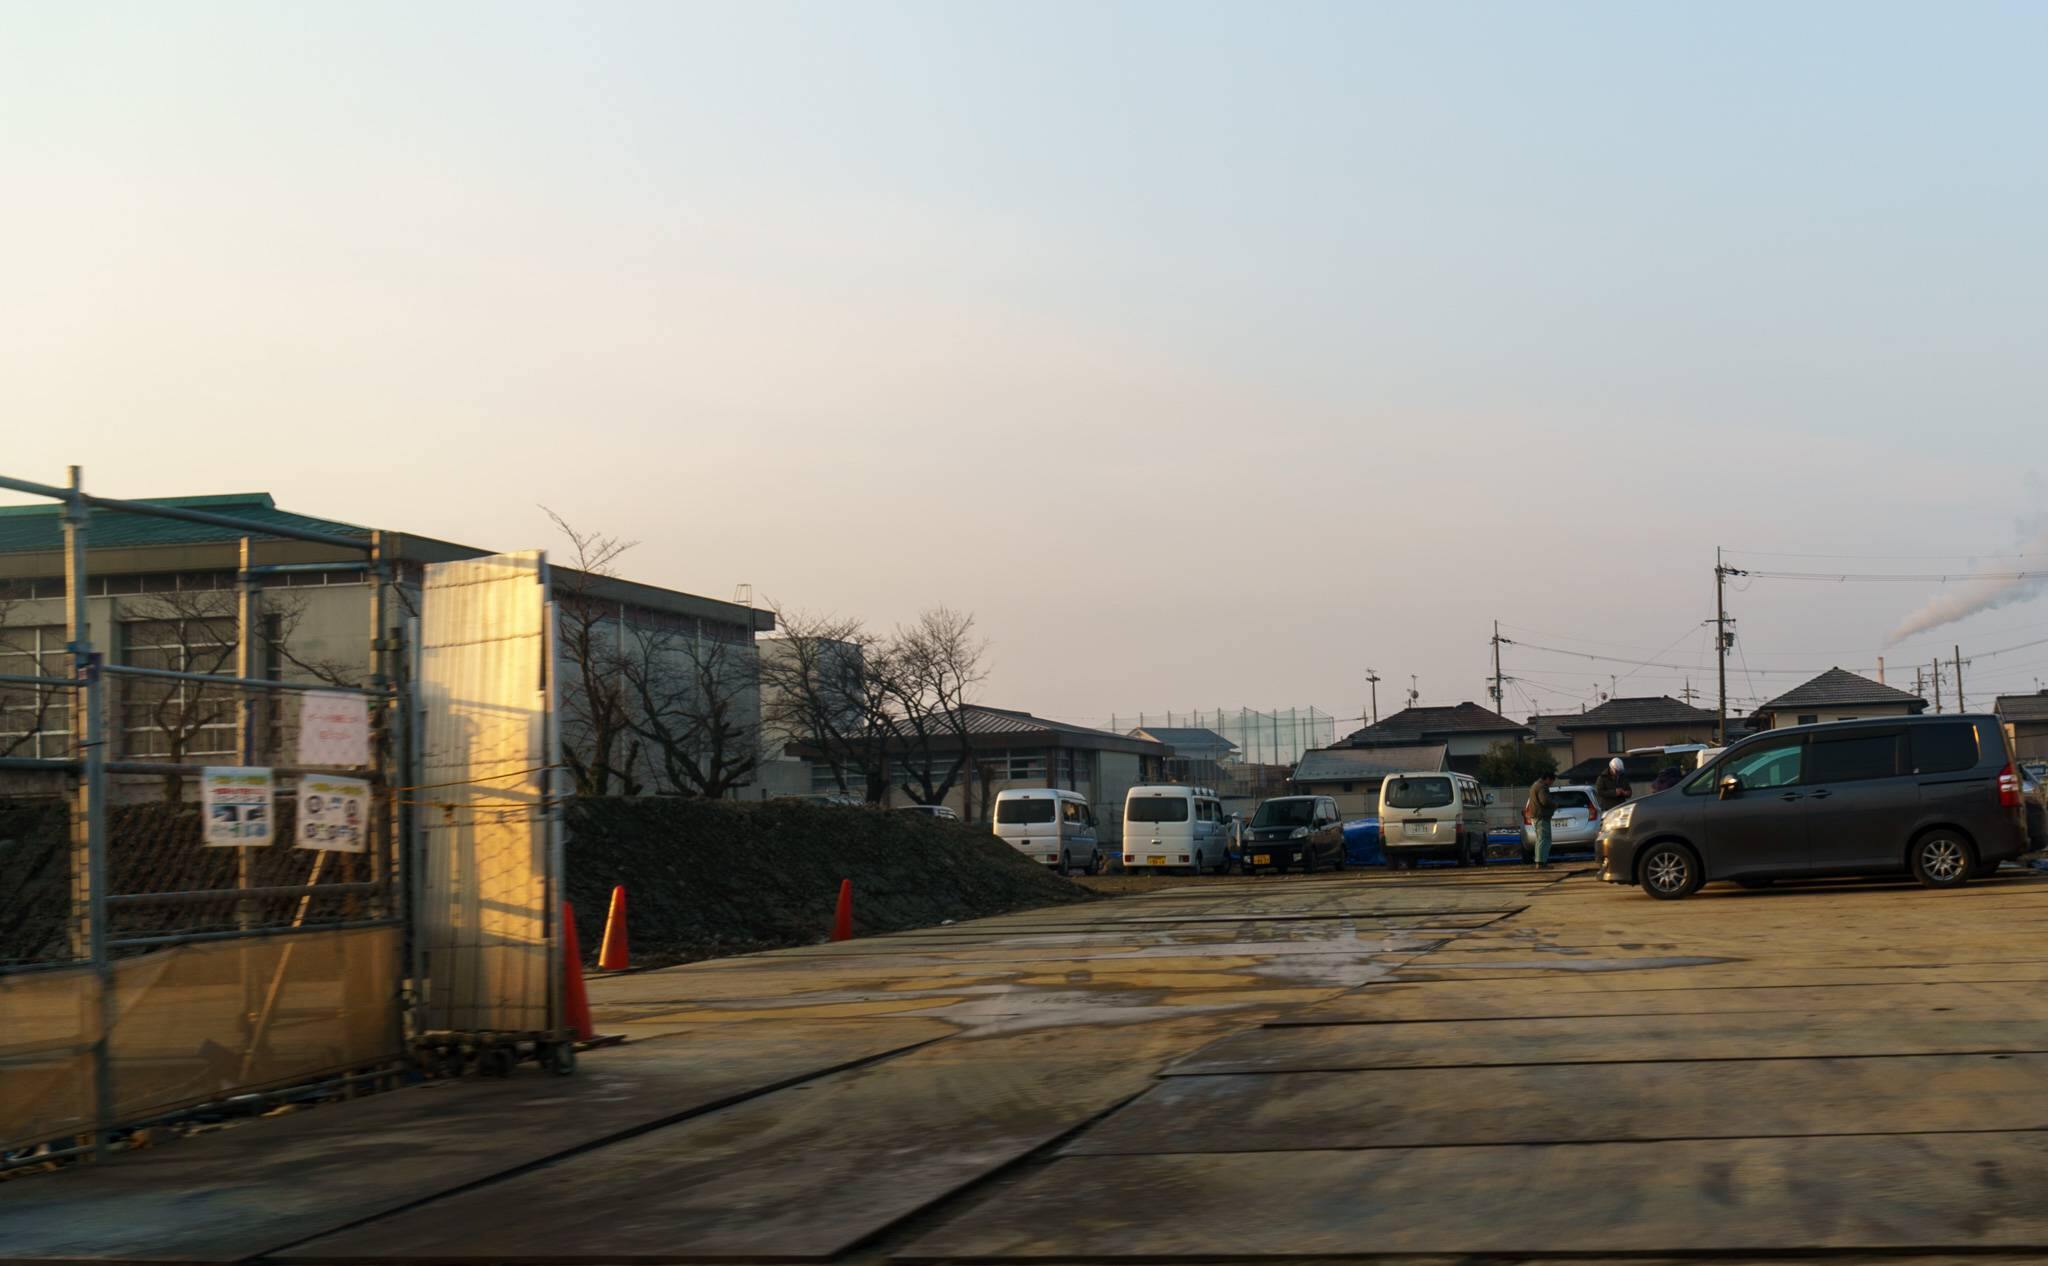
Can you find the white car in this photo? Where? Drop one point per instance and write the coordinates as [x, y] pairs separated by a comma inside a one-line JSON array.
[[1574, 824], [930, 810]]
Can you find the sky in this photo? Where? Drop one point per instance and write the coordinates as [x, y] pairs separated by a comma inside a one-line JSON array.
[[1211, 355]]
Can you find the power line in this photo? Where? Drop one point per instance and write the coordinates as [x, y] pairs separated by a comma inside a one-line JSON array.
[[1889, 558], [1930, 578]]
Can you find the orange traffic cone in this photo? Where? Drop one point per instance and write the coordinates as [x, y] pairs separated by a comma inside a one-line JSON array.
[[611, 956], [575, 999], [842, 918]]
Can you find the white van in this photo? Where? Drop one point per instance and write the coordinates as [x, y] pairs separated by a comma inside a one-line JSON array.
[[1176, 828], [1049, 825], [1433, 813]]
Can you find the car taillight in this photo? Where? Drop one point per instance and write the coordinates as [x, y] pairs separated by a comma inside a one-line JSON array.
[[2008, 788]]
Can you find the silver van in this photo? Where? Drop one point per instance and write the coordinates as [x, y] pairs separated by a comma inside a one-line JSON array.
[[1049, 825]]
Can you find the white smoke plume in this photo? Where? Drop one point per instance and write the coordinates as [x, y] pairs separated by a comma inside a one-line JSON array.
[[1963, 600]]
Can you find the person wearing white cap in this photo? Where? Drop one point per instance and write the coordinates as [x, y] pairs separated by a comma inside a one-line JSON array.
[[1611, 787]]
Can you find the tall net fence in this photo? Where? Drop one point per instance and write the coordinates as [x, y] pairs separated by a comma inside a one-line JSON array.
[[1270, 736]]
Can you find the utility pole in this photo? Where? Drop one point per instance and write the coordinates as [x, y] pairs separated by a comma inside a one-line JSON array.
[[1920, 682], [1688, 694], [1960, 705], [1722, 638], [1373, 679], [1499, 693], [1937, 683]]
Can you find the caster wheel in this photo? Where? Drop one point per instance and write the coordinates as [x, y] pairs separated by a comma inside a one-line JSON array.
[[560, 1058]]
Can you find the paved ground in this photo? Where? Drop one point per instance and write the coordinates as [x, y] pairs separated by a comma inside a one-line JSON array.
[[1434, 1066]]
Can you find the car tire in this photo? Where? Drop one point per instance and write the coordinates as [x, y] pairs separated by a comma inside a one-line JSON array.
[[1308, 860], [1669, 871], [1941, 859]]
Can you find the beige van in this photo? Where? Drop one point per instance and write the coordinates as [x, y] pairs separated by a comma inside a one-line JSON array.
[[1433, 814]]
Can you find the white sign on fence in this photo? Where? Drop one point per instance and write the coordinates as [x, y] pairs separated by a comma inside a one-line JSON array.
[[238, 806], [334, 729], [334, 813]]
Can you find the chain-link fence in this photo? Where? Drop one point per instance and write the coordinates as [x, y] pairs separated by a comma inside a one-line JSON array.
[[197, 833], [1254, 736]]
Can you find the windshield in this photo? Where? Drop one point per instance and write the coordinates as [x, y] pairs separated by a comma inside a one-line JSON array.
[[1418, 793], [1023, 812], [1158, 809], [1571, 800], [1285, 813]]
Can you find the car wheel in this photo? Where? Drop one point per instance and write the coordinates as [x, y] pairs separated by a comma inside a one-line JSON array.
[[1941, 859], [1669, 872], [1755, 881]]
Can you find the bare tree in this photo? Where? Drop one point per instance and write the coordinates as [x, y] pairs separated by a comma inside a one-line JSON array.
[[24, 710], [810, 688], [692, 700], [196, 631], [937, 665], [598, 741]]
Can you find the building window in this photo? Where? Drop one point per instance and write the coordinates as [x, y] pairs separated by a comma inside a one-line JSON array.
[[178, 719], [35, 721], [1810, 718], [1617, 740]]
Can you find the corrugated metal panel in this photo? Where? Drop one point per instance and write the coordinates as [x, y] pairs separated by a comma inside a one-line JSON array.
[[488, 856]]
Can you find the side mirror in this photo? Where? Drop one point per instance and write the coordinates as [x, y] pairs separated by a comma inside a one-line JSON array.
[[1730, 786]]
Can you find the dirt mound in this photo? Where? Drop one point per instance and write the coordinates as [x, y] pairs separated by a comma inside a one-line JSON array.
[[706, 878]]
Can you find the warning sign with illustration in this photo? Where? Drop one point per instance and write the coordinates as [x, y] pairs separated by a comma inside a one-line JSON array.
[[334, 813], [238, 806]]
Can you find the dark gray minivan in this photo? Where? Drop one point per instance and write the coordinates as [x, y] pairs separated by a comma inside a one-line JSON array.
[[1935, 796]]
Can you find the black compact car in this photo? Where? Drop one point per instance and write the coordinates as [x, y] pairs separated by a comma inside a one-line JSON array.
[[1303, 831], [1934, 796]]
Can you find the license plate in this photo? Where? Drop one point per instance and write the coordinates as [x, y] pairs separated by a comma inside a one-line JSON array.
[[1563, 819], [1156, 859], [1262, 859]]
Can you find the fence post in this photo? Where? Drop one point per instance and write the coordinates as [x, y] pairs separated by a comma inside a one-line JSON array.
[[89, 812]]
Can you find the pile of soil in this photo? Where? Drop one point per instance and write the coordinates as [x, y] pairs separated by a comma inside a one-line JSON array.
[[710, 878]]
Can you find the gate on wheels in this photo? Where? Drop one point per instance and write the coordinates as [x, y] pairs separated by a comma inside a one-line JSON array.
[[486, 827], [240, 853]]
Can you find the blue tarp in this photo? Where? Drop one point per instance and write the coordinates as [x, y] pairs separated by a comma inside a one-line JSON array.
[[1362, 843]]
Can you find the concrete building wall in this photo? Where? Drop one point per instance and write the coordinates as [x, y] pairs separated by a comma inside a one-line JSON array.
[[2029, 739], [1587, 744], [1851, 712]]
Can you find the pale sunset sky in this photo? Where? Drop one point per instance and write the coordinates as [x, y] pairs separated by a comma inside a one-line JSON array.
[[1209, 354]]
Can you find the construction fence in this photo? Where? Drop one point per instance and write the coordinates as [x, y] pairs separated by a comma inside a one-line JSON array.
[[203, 836]]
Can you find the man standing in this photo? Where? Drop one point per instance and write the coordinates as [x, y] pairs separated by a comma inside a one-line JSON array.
[[1611, 788], [1538, 810]]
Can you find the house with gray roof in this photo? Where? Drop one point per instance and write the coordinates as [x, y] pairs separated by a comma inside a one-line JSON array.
[[1008, 748], [1548, 735], [1466, 731], [1837, 695], [1621, 725], [2025, 718], [1352, 775]]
